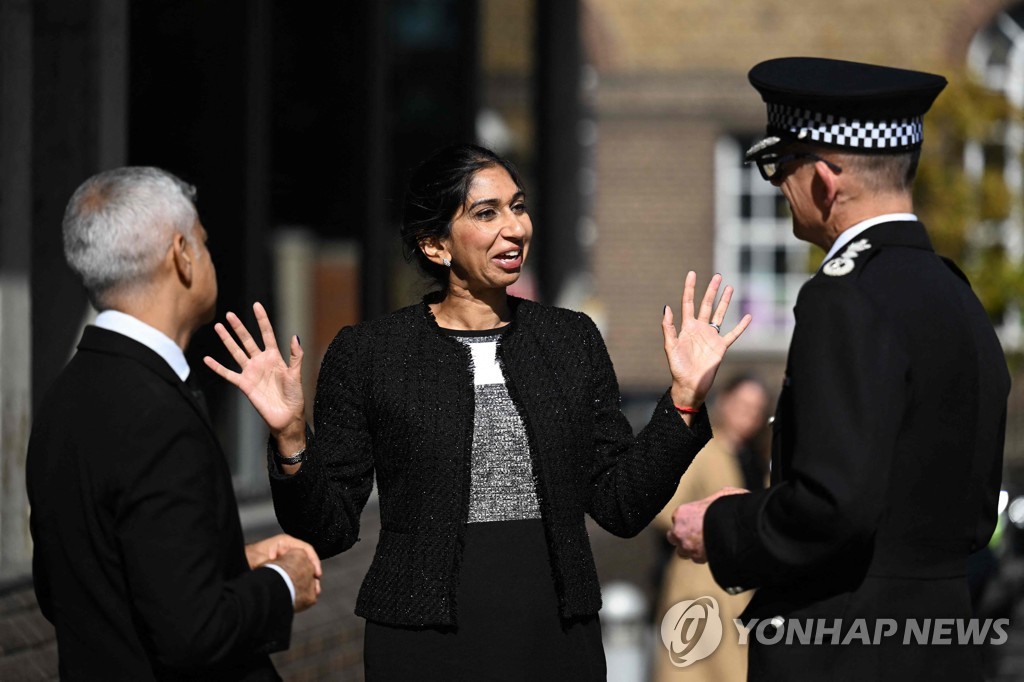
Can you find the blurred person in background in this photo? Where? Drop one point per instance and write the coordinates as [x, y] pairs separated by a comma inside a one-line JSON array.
[[492, 426], [888, 435], [138, 556], [740, 413]]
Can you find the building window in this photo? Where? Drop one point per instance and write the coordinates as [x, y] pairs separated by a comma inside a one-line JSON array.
[[755, 249]]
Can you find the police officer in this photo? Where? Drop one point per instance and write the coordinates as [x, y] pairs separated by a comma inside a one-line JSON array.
[[888, 436]]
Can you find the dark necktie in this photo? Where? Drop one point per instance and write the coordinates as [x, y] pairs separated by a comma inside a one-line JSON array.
[[197, 394]]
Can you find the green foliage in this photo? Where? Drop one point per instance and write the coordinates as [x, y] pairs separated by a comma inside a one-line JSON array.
[[996, 198], [996, 279]]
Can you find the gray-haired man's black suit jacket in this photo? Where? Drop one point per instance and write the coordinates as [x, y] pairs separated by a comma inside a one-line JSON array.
[[139, 558]]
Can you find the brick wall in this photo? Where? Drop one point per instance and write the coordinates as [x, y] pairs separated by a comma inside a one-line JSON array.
[[673, 36], [672, 81]]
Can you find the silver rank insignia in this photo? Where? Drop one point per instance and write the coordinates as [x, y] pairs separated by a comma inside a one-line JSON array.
[[843, 265]]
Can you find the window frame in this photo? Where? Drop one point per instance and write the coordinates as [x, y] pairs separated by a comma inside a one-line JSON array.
[[752, 221]]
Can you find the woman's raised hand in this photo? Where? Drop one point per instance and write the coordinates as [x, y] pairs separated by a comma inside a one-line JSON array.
[[696, 350], [273, 387]]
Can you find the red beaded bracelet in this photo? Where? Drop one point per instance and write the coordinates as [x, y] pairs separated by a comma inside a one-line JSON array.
[[688, 410]]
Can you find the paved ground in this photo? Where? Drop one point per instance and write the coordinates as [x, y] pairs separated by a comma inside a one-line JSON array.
[[1008, 658], [1010, 666]]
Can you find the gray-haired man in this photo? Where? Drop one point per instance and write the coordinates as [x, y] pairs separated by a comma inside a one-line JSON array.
[[139, 560]]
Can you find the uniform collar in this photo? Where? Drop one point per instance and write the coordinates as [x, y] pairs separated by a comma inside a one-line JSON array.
[[851, 233], [150, 337], [907, 234]]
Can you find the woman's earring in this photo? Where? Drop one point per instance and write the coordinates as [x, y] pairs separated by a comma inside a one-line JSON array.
[[447, 263]]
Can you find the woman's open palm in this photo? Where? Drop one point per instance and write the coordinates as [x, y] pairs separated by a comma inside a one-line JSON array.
[[696, 350], [272, 386]]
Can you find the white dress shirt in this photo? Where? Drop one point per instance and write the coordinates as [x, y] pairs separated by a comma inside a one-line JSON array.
[[150, 337]]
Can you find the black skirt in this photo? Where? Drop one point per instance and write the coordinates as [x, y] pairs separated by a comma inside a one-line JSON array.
[[508, 623]]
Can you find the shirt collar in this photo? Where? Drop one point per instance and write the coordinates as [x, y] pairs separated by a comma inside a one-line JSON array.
[[150, 337], [849, 234]]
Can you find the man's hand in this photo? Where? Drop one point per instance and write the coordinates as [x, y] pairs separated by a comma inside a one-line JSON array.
[[304, 574], [259, 553], [276, 549], [687, 532]]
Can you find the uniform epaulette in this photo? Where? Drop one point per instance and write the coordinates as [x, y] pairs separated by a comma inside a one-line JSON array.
[[955, 268]]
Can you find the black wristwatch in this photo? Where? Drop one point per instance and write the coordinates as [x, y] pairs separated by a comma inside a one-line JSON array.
[[294, 459]]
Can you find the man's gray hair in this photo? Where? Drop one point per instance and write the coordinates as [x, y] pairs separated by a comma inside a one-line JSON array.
[[883, 172], [119, 224]]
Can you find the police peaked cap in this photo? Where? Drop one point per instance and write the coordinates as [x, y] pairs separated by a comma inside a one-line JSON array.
[[844, 105]]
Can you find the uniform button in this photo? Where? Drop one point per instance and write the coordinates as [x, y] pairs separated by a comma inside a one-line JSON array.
[[777, 622], [771, 420], [733, 590]]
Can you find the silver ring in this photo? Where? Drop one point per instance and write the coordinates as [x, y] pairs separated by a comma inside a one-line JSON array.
[[718, 327]]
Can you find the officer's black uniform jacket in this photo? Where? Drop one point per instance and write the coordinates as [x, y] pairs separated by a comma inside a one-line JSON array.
[[887, 454]]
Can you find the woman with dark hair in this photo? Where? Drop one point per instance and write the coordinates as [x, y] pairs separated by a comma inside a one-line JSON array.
[[492, 425]]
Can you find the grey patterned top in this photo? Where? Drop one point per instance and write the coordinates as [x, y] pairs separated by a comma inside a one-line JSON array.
[[502, 486]]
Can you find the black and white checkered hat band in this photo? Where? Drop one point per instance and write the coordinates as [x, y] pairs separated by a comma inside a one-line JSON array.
[[902, 133]]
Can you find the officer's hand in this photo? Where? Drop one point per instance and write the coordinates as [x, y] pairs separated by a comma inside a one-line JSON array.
[[687, 534]]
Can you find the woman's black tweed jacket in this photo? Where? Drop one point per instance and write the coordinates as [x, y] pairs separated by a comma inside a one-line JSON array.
[[395, 399]]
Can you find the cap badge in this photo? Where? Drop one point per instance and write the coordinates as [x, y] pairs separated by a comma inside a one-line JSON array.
[[843, 265], [763, 144]]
